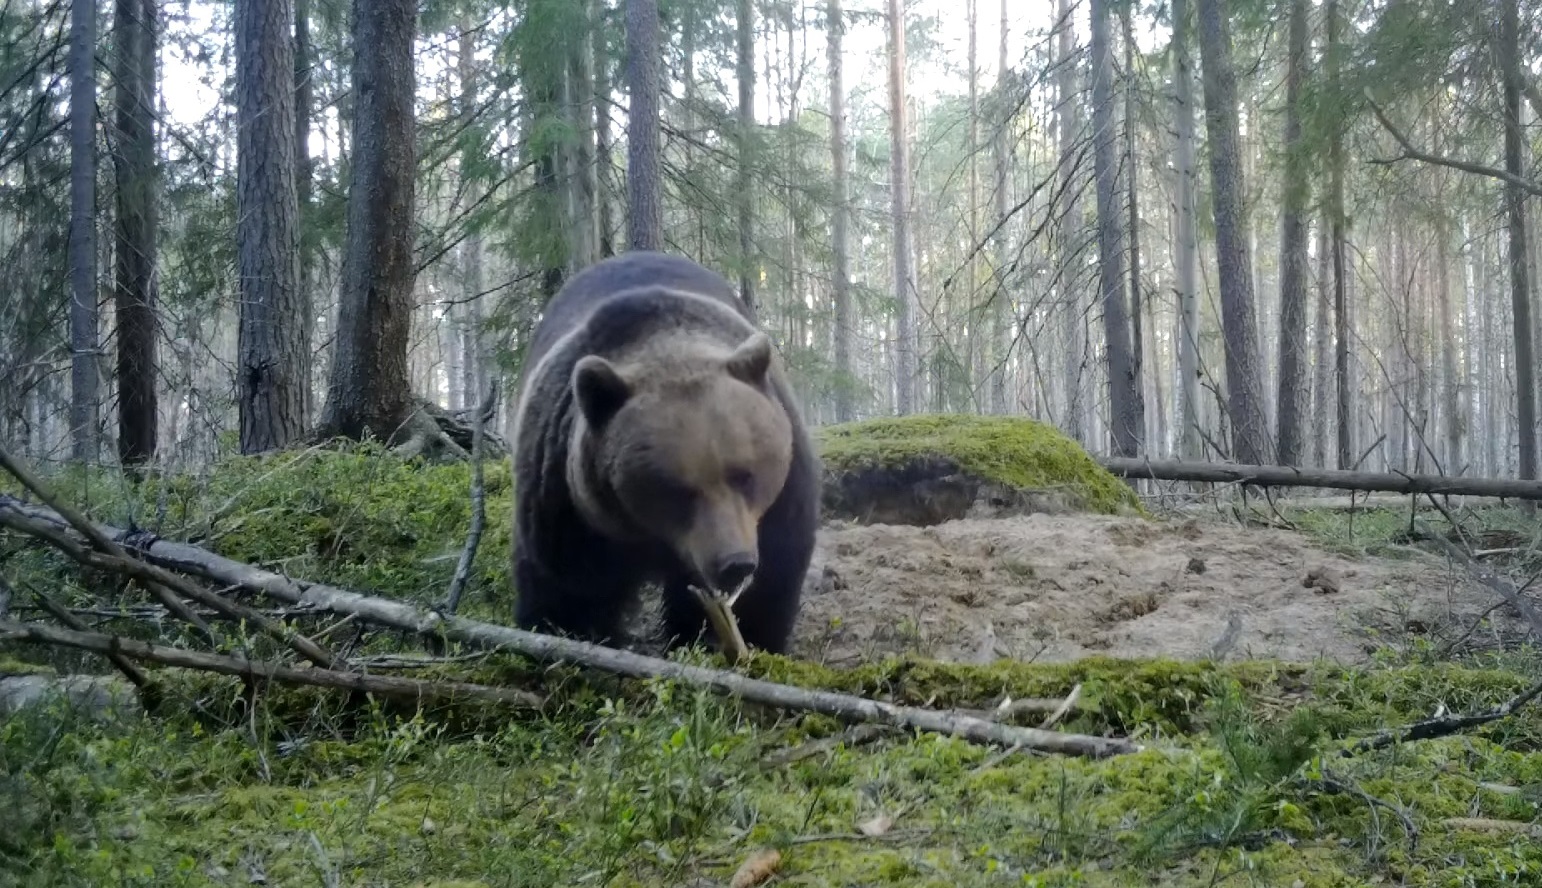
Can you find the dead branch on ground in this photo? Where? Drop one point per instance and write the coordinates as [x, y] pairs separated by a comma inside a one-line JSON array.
[[1334, 479], [1444, 724], [384, 685]]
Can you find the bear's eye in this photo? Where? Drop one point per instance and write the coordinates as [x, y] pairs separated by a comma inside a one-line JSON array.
[[743, 482]]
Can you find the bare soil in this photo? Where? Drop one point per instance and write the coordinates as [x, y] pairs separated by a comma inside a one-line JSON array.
[[1055, 587]]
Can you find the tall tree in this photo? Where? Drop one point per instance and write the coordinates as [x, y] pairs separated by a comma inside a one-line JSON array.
[[1243, 368], [1322, 347], [1132, 207], [134, 297], [1293, 258], [473, 354], [999, 351], [368, 390], [85, 381], [645, 219], [304, 174], [899, 183], [602, 140], [273, 341], [1515, 211], [1343, 423], [1187, 247], [1073, 317], [841, 223], [1124, 421], [745, 196]]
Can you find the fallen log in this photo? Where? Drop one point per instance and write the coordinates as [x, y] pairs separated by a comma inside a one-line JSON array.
[[383, 685], [185, 558], [1291, 476]]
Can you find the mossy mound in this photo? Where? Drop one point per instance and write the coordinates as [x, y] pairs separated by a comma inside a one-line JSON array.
[[661, 784], [926, 469]]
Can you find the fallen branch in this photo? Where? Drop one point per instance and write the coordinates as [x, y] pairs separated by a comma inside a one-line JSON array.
[[1444, 724], [159, 578], [133, 673], [97, 538], [547, 648], [384, 685], [1335, 479], [1466, 166]]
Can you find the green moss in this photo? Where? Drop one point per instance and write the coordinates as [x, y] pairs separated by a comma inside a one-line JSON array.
[[665, 785], [1014, 451]]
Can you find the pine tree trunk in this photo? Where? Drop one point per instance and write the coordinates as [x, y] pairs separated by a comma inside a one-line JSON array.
[[1243, 368], [85, 375], [273, 353], [841, 222], [1293, 258], [602, 142], [1132, 181], [137, 187], [1191, 446], [1123, 421], [645, 210], [473, 357], [1000, 351], [368, 391], [745, 199], [1515, 205], [304, 172], [1341, 327], [1073, 320], [974, 343], [1322, 342], [899, 183], [584, 238]]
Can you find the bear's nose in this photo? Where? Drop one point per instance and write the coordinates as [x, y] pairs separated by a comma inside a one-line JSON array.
[[734, 570]]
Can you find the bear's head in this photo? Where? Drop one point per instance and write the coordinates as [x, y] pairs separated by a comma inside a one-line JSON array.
[[684, 445]]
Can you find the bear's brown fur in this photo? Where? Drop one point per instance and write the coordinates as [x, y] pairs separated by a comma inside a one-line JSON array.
[[657, 438]]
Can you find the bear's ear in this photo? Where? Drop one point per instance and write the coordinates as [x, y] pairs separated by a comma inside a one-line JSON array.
[[751, 361], [599, 388]]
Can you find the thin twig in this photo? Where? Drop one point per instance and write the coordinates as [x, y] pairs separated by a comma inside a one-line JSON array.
[[478, 506]]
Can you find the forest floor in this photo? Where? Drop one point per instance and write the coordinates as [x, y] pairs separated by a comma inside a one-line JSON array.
[[1057, 587], [1248, 661]]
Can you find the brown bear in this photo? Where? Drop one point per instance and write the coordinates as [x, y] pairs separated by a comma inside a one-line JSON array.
[[657, 439]]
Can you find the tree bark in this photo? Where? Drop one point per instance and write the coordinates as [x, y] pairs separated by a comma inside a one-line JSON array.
[[645, 213], [274, 353], [85, 375], [1515, 206], [473, 354], [841, 222], [1073, 319], [1132, 184], [135, 247], [744, 25], [1000, 351], [899, 183], [1123, 421], [1191, 444], [1249, 430], [1293, 258], [368, 391], [602, 141], [1322, 346], [304, 174], [1344, 419]]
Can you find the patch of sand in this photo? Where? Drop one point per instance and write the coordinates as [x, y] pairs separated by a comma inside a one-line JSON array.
[[1060, 587]]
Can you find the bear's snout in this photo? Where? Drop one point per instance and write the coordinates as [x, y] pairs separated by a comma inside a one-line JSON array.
[[732, 570]]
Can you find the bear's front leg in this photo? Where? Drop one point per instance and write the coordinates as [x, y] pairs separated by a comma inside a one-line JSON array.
[[589, 608]]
